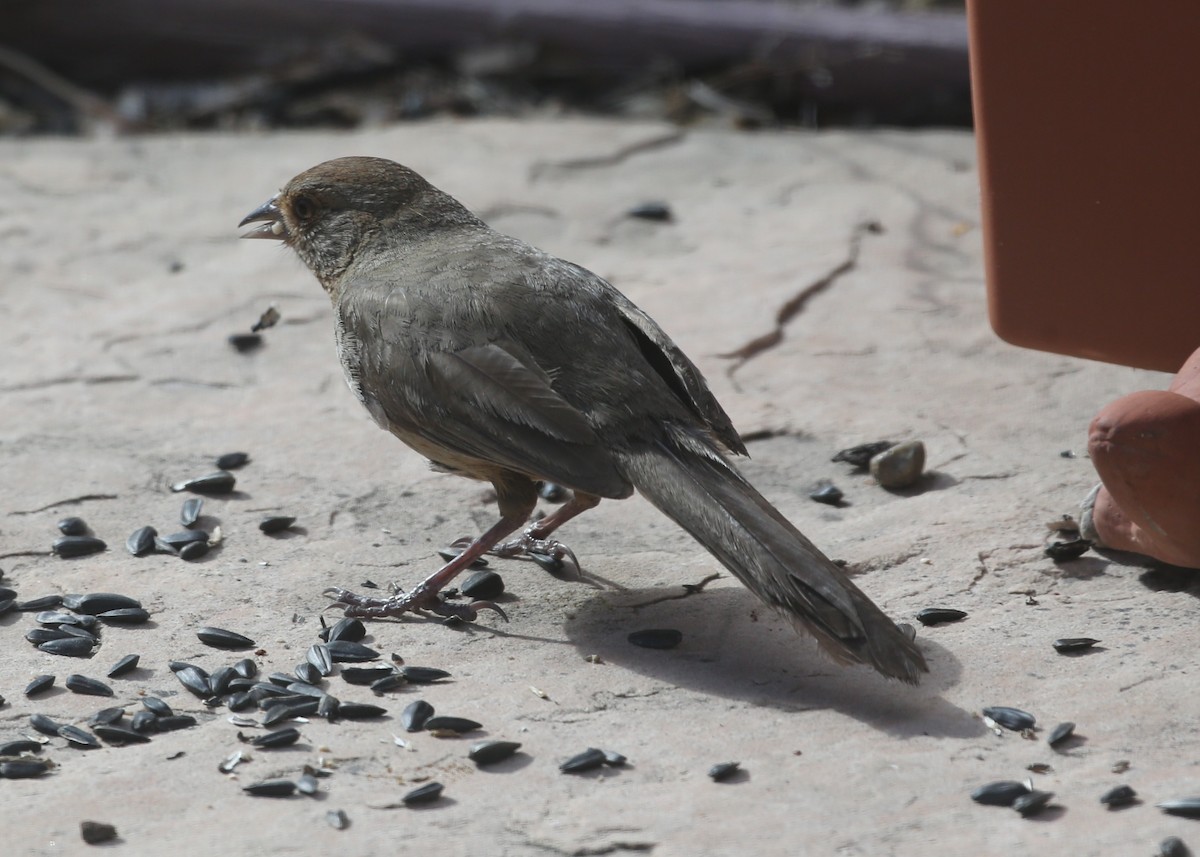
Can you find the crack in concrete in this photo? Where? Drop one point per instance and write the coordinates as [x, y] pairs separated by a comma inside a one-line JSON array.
[[82, 498], [612, 159], [43, 383], [795, 304]]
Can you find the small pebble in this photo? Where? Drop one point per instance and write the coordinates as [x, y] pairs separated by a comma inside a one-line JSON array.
[[658, 212], [232, 460], [723, 770], [901, 466], [1118, 796], [427, 793], [276, 523], [1010, 718], [96, 832], [940, 615], [73, 526], [1061, 732], [830, 495]]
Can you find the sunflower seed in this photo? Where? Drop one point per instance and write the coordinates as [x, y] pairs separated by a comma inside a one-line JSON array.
[[1060, 733], [388, 683], [189, 513], [281, 679], [345, 651], [143, 721], [1173, 846], [423, 675], [318, 656], [415, 715], [120, 735], [1065, 551], [42, 723], [219, 638], [1010, 718], [1073, 644], [657, 212], [55, 618], [547, 562], [614, 759], [196, 680], [184, 538], [656, 638], [21, 746], [1032, 803], [585, 761], [490, 752], [125, 616], [219, 681], [1001, 793], [244, 343], [69, 646], [723, 770], [459, 725], [427, 793], [77, 737], [350, 630], [1118, 796], [240, 701], [359, 710], [87, 686], [828, 494], [72, 526], [276, 523], [97, 832], [246, 668], [366, 675], [7, 604], [1189, 807], [141, 541], [452, 551], [271, 788], [23, 769], [157, 706], [308, 674], [37, 636], [484, 585], [106, 717], [72, 546], [938, 615], [860, 456], [175, 721], [232, 460], [328, 707], [39, 685], [337, 819], [94, 603], [279, 738], [281, 711], [193, 551], [220, 482], [46, 602]]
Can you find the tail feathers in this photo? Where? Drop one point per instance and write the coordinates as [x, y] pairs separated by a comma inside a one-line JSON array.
[[704, 494]]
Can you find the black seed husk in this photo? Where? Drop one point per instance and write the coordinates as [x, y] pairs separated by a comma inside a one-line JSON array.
[[120, 735], [359, 710], [72, 546], [193, 551], [157, 706], [307, 673], [23, 769], [281, 679], [232, 460], [350, 630], [175, 721], [97, 832], [106, 716], [220, 482], [73, 526], [196, 680], [45, 602], [281, 711], [490, 752], [547, 562], [37, 636], [415, 715], [427, 793], [1059, 733], [87, 686], [246, 668], [656, 638], [42, 723], [220, 638], [94, 603], [302, 687], [938, 615], [388, 683], [218, 682], [165, 547], [460, 725], [585, 761], [346, 651], [1064, 551], [39, 685], [1001, 793], [318, 656], [723, 770], [328, 708], [1188, 807], [240, 701], [143, 721], [58, 618], [276, 523], [125, 616], [77, 737], [1173, 846], [189, 513], [423, 675], [1073, 644], [21, 746], [279, 738], [74, 647], [483, 585], [184, 538], [614, 759], [141, 541], [860, 456], [366, 675], [830, 495], [271, 788], [1118, 796], [1010, 718], [449, 553], [1032, 803], [658, 212]]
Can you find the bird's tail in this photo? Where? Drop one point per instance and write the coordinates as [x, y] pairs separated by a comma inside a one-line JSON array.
[[702, 493]]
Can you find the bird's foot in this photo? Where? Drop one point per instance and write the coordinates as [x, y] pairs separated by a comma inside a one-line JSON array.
[[423, 599], [551, 555]]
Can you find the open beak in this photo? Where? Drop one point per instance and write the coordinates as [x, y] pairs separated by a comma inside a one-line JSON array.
[[271, 218]]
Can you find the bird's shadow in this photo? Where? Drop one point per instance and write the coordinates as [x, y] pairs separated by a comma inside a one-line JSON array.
[[736, 648]]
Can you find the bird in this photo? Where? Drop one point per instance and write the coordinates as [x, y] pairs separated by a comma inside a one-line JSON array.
[[503, 363]]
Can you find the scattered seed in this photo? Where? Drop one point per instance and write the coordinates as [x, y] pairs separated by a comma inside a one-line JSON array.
[[72, 526], [337, 819], [456, 725], [141, 541], [328, 707], [271, 788], [39, 685], [277, 712], [490, 752], [72, 546], [938, 615], [193, 551], [1001, 793], [23, 769], [220, 638], [415, 715], [1073, 644], [427, 793], [246, 668], [1060, 733], [219, 681], [346, 651], [157, 706], [308, 674], [125, 616], [190, 512], [318, 657], [269, 318], [388, 683], [183, 538], [552, 564], [423, 675], [485, 585], [46, 602], [232, 460], [585, 761], [244, 343], [656, 638], [58, 618], [106, 716], [860, 456], [143, 721], [1118, 796], [350, 630], [220, 482], [1173, 846], [120, 735], [77, 737], [658, 212], [1032, 803], [305, 689], [21, 746], [74, 647], [359, 710], [367, 675], [78, 632], [276, 523], [723, 770], [196, 680], [87, 686], [279, 738], [1010, 718], [175, 721], [42, 723], [1064, 551], [450, 552], [96, 832], [94, 603], [1188, 807]]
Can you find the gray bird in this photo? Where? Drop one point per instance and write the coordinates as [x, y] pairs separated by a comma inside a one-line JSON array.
[[502, 363]]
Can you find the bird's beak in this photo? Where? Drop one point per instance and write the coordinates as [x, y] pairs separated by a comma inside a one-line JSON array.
[[272, 226]]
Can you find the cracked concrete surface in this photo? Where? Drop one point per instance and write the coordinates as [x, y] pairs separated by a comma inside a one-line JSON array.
[[122, 278]]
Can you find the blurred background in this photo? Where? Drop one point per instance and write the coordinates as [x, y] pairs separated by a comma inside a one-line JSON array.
[[130, 66]]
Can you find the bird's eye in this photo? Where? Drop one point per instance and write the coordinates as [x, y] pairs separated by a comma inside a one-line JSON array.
[[304, 208]]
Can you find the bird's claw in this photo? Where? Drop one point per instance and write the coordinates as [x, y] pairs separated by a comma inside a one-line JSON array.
[[551, 555], [416, 601]]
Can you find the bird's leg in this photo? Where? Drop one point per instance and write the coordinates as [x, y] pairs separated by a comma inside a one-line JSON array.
[[535, 540], [516, 501]]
